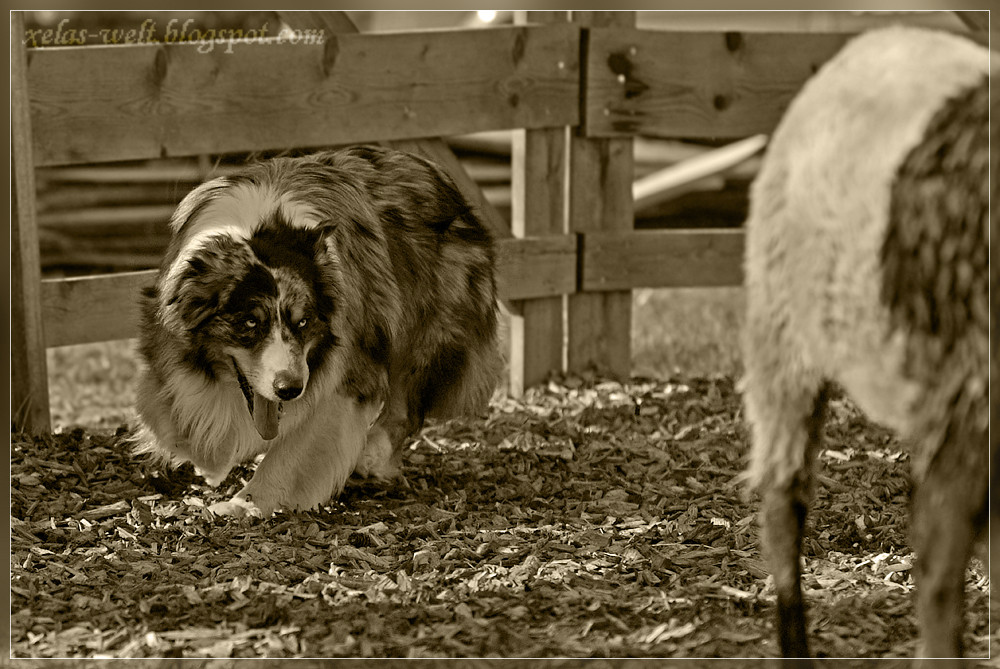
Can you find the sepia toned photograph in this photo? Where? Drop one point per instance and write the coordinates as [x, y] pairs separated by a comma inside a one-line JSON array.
[[512, 337]]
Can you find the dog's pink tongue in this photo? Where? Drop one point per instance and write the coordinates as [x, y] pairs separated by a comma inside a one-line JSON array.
[[265, 416]]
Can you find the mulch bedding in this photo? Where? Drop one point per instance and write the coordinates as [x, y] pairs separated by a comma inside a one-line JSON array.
[[587, 519]]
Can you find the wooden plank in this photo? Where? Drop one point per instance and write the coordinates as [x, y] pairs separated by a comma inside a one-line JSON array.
[[661, 259], [108, 220], [539, 207], [94, 308], [103, 103], [696, 84], [29, 400], [665, 184], [82, 197], [435, 149], [105, 307], [534, 267], [108, 261], [140, 173], [601, 171], [600, 331], [491, 143]]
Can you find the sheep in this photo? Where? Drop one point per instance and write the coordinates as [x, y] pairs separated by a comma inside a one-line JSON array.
[[867, 266]]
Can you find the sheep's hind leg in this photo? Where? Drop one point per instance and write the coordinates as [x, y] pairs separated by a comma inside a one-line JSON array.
[[949, 512], [787, 423]]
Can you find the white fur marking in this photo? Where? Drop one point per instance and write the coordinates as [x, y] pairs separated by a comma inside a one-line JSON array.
[[278, 357]]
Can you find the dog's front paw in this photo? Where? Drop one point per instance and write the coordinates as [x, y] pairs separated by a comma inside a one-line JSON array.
[[237, 507]]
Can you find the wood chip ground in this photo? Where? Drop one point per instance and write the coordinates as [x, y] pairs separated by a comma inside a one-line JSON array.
[[589, 519]]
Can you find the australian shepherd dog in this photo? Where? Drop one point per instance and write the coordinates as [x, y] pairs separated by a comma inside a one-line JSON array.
[[315, 310]]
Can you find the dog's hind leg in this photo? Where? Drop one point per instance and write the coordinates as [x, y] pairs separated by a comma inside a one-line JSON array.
[[458, 381], [383, 454], [310, 465]]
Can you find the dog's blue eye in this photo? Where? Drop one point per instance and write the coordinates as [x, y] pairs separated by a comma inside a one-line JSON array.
[[251, 322], [303, 323]]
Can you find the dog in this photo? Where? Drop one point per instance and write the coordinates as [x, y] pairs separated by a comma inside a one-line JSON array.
[[315, 310]]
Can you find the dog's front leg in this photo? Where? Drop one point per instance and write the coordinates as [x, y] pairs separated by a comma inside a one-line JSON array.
[[307, 467]]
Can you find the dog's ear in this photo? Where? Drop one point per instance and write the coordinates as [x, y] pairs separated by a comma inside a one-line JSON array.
[[325, 237], [199, 284], [196, 201], [327, 252], [330, 286]]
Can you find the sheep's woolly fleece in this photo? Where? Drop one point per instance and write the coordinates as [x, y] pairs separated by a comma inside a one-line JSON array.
[[590, 519]]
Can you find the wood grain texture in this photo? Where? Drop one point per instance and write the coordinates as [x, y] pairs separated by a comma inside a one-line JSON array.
[[696, 84], [29, 401], [662, 259], [601, 173], [539, 206], [95, 308], [433, 148], [105, 307], [600, 333], [533, 267], [98, 103], [600, 323]]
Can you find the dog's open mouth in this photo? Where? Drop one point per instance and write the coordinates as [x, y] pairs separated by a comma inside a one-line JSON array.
[[265, 413]]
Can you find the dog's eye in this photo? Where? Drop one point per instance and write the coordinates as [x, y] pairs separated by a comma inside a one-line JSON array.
[[250, 323], [303, 323]]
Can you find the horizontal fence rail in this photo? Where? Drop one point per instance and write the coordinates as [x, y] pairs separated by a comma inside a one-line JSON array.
[[699, 85], [107, 103], [99, 308], [661, 259]]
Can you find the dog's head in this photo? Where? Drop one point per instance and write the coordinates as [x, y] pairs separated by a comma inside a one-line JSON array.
[[264, 306], [253, 280]]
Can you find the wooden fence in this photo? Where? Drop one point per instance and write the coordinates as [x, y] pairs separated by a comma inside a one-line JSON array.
[[577, 88]]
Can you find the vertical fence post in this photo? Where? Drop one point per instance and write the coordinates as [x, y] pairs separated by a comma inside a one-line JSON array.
[[538, 207], [29, 396], [601, 174]]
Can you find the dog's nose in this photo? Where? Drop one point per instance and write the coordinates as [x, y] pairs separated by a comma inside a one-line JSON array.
[[287, 386]]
